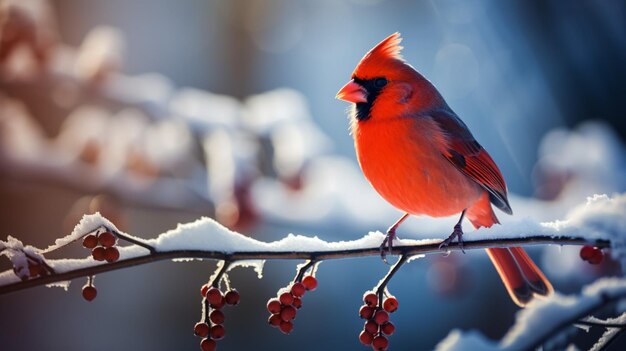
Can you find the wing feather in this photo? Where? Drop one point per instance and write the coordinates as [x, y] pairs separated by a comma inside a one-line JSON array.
[[471, 158]]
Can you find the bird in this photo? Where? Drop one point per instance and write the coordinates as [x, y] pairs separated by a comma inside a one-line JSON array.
[[421, 158]]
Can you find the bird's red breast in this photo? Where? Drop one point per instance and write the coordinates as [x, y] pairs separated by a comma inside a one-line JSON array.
[[400, 157]]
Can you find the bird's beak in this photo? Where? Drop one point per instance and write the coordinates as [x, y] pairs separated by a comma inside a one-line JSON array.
[[352, 92]]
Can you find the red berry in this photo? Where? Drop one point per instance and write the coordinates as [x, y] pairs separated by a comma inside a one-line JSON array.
[[232, 297], [366, 338], [214, 296], [111, 254], [298, 289], [90, 241], [273, 306], [98, 253], [107, 239], [381, 316], [390, 304], [201, 329], [286, 327], [35, 270], [208, 345], [219, 305], [204, 289], [586, 252], [217, 332], [597, 256], [275, 320], [380, 343], [371, 327], [41, 270], [286, 298], [288, 313], [309, 282], [217, 317], [591, 254], [388, 328], [366, 312], [297, 302], [370, 299], [89, 292]]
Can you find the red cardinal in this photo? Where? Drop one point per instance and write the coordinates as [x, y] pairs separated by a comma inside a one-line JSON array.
[[419, 156]]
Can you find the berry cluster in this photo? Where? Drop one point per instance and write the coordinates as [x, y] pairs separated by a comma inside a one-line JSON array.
[[377, 325], [211, 327], [591, 254], [102, 246], [284, 306]]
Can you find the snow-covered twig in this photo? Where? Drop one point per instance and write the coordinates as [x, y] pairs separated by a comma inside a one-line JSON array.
[[611, 334], [554, 328], [424, 247], [600, 222], [600, 323], [545, 319]]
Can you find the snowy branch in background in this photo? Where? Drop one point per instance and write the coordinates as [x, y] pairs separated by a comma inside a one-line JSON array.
[[544, 321], [138, 139]]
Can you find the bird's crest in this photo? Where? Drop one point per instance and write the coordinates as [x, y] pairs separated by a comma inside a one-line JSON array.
[[388, 49]]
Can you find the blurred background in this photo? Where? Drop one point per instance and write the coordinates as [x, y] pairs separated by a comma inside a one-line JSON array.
[[157, 112]]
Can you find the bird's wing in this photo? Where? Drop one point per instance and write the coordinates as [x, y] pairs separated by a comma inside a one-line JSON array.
[[469, 157]]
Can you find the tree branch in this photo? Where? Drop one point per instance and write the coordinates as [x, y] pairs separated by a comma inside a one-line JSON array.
[[382, 285], [406, 251], [551, 330]]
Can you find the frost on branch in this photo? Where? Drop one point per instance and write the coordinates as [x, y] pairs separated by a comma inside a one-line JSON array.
[[610, 333], [602, 217], [26, 260], [545, 319], [87, 224]]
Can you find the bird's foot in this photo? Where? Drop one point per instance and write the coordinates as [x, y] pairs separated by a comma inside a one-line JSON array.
[[387, 245], [456, 233]]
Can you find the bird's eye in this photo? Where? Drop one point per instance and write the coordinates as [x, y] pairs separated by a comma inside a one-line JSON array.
[[380, 82]]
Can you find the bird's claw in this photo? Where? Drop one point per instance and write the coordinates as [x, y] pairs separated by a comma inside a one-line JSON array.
[[456, 233]]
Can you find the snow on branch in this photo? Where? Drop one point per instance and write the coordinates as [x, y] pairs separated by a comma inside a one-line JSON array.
[[600, 221]]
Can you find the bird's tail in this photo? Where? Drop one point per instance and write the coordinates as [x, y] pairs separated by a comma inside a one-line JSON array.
[[521, 277]]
